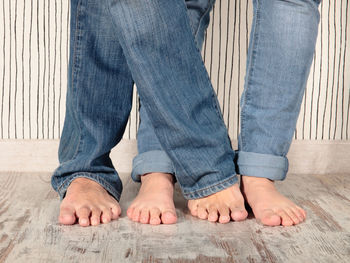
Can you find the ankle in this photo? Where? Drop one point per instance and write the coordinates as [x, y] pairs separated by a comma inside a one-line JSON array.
[[159, 177], [252, 181]]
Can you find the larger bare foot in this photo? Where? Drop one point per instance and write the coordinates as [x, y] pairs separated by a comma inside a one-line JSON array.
[[88, 203], [268, 205], [154, 203], [220, 207]]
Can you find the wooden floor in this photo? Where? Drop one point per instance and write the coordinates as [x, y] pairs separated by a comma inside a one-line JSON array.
[[29, 231]]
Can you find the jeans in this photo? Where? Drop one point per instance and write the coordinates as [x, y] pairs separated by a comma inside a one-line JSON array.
[[114, 44], [151, 157], [281, 48]]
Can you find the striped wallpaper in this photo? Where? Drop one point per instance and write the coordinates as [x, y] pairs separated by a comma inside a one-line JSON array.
[[34, 54]]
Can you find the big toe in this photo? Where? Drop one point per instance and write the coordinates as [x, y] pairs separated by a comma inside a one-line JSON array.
[[130, 212], [192, 207], [169, 217], [67, 216], [116, 211], [270, 218], [239, 214]]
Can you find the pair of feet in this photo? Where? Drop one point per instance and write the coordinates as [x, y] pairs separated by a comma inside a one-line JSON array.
[[88, 203]]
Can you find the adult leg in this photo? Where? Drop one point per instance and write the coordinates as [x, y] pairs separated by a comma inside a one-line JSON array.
[[280, 54], [97, 108], [154, 203], [151, 157], [180, 101], [181, 105]]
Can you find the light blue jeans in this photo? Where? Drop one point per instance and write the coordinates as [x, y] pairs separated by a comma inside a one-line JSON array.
[[280, 54], [150, 42]]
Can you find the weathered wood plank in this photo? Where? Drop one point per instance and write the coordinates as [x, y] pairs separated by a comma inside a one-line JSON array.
[[29, 231]]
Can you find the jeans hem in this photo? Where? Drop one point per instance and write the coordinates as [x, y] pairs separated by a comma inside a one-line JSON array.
[[151, 161], [268, 166], [92, 176], [209, 190]]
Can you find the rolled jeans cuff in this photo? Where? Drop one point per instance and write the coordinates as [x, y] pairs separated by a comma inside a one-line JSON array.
[[151, 162], [62, 189], [262, 165]]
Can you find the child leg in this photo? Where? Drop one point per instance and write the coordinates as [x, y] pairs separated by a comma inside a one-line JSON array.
[[154, 203]]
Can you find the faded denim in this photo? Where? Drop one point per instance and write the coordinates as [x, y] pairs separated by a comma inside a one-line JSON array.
[[281, 48], [151, 157]]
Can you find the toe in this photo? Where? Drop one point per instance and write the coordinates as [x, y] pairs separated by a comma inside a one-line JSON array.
[[286, 220], [190, 204], [224, 214], [115, 209], [106, 216], [168, 217], [213, 214], [299, 214], [193, 207], [95, 216], [302, 211], [144, 216], [270, 218], [293, 216], [238, 213], [130, 212], [136, 215], [202, 212], [83, 216], [67, 215], [154, 216]]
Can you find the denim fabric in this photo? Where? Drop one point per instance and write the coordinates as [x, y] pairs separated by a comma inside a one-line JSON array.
[[113, 44], [282, 44], [281, 48], [151, 157], [95, 113]]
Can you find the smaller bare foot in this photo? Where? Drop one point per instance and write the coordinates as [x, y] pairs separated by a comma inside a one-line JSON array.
[[154, 203], [88, 203], [268, 205], [220, 207]]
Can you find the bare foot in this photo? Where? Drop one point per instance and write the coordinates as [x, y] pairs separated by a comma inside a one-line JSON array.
[[268, 205], [88, 203], [154, 203], [220, 207]]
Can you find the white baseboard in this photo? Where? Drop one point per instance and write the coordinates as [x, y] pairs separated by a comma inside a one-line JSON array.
[[305, 157], [42, 155]]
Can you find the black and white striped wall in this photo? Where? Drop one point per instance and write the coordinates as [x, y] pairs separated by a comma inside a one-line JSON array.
[[33, 70]]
